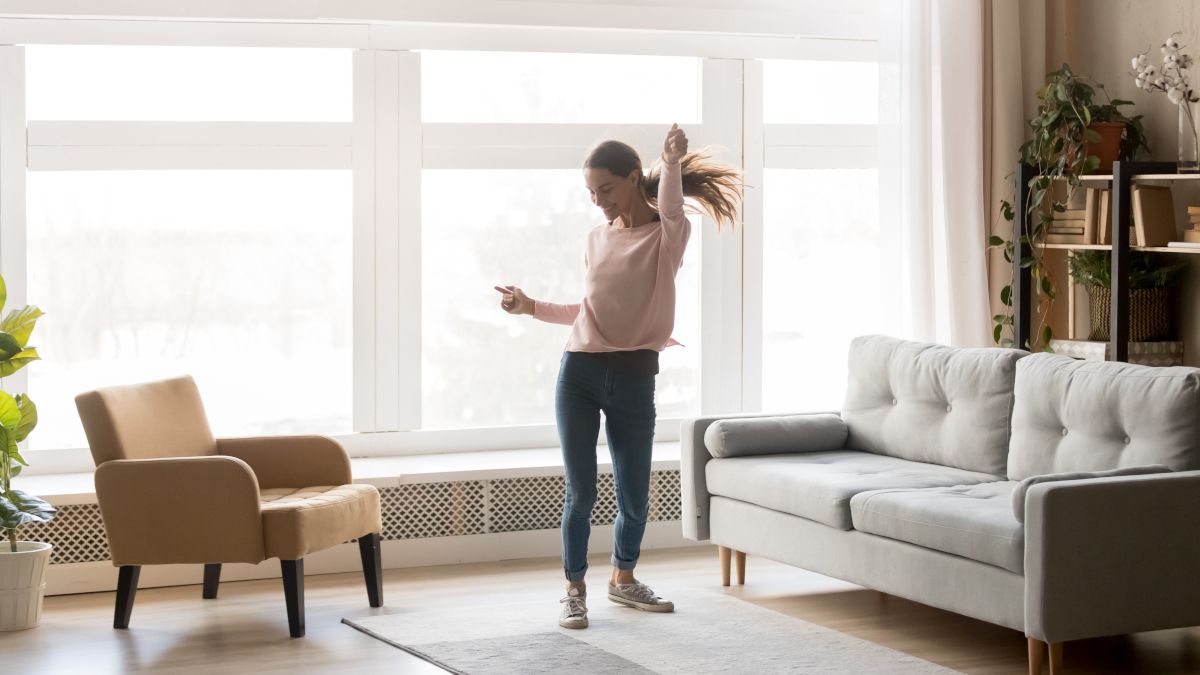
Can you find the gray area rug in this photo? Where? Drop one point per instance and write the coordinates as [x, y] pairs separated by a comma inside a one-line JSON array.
[[708, 633]]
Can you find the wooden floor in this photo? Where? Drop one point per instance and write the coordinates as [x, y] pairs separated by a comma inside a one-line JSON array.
[[245, 629]]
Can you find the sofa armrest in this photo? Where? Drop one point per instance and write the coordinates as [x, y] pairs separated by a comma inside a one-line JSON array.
[[1111, 556], [180, 510], [693, 456], [291, 461]]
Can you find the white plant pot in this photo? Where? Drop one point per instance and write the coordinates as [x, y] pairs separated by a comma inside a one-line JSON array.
[[22, 584]]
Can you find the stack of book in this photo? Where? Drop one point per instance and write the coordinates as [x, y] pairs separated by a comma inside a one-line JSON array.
[[1191, 236], [1076, 225]]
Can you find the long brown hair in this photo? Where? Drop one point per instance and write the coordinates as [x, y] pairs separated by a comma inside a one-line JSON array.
[[716, 187]]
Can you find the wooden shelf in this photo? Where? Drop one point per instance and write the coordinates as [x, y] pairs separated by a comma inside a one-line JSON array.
[[1106, 247]]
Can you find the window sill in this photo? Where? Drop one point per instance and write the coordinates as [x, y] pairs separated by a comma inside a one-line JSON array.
[[383, 472]]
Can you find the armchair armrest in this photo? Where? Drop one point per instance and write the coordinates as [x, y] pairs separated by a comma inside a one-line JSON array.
[[1111, 556], [201, 509], [693, 456], [291, 461]]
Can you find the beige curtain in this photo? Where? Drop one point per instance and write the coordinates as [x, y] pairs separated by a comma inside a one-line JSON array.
[[1022, 40]]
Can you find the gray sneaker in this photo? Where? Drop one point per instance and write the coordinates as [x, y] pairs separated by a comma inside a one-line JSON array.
[[639, 596], [574, 610]]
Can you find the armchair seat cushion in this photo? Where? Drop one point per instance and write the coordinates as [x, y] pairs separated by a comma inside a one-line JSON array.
[[299, 521]]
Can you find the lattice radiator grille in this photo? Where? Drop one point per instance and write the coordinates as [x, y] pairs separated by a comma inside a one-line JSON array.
[[416, 511]]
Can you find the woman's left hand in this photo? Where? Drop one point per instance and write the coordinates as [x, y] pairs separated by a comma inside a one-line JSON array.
[[676, 145]]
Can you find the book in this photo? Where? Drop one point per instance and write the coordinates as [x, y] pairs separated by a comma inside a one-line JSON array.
[[1091, 212], [1193, 210], [1104, 222], [1065, 230], [1153, 215], [1070, 214], [1191, 236], [1056, 238], [1183, 244]]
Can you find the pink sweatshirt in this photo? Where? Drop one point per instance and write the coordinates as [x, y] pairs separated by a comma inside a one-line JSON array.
[[629, 290]]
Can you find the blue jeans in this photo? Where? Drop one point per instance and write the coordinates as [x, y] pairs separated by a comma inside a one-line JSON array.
[[585, 388]]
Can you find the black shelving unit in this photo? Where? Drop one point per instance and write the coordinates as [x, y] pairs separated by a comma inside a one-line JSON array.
[[1120, 183]]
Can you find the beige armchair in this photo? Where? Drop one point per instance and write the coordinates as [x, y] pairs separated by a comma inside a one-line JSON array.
[[171, 493]]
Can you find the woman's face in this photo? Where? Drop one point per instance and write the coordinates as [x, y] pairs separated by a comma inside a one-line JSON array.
[[613, 194]]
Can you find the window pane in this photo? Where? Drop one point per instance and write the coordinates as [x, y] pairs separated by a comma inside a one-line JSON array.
[[188, 83], [239, 278], [820, 92], [821, 281], [481, 366], [564, 88]]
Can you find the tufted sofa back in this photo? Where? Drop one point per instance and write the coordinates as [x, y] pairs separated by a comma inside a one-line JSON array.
[[931, 403], [1093, 416]]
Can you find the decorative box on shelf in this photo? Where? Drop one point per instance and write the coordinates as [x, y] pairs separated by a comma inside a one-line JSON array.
[[1163, 353]]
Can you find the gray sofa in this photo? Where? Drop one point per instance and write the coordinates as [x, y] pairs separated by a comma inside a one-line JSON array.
[[1056, 497]]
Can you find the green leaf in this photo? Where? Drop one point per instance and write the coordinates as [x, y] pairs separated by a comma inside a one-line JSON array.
[[1006, 295], [20, 323], [1059, 207], [3, 292], [10, 412], [995, 240], [18, 361], [1047, 335], [29, 416], [996, 333], [9, 346], [1092, 136], [19, 508], [1091, 164]]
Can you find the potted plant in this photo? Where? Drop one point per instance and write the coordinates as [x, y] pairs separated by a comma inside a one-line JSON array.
[[1151, 278], [1071, 135], [22, 563]]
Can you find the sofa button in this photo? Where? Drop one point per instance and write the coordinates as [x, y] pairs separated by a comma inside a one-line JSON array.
[[947, 408], [894, 401], [1064, 431], [1126, 440]]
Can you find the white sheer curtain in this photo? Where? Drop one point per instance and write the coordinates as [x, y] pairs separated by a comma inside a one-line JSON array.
[[932, 212]]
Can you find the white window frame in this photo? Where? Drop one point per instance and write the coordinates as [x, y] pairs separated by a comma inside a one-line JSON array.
[[386, 146]]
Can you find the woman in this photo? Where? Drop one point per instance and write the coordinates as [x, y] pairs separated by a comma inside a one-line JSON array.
[[624, 320]]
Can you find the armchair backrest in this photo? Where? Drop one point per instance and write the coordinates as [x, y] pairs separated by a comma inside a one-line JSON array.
[[145, 421]]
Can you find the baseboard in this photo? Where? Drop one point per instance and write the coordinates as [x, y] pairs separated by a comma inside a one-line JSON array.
[[90, 577]]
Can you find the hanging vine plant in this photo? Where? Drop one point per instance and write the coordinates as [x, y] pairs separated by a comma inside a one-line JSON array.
[[1061, 149]]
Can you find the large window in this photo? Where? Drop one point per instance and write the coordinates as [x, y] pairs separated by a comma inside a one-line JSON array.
[[486, 223], [191, 264], [821, 277], [564, 88], [187, 83]]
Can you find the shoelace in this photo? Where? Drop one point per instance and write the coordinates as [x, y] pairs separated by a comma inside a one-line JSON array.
[[640, 592], [576, 606]]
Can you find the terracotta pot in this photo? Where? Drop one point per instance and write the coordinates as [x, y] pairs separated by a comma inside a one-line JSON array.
[[1109, 147]]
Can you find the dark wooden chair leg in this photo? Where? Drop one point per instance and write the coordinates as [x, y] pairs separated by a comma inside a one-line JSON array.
[[212, 579], [127, 580], [293, 593], [372, 565]]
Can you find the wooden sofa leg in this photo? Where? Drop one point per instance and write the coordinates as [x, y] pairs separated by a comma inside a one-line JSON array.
[[212, 579], [741, 568], [127, 580], [293, 594], [1037, 650], [723, 554], [1056, 666], [372, 565]]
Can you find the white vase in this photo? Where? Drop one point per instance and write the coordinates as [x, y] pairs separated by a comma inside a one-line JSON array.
[[22, 584], [1189, 137]]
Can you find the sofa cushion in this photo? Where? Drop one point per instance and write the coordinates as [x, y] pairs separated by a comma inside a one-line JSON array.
[[972, 521], [1018, 495], [930, 403], [1093, 416], [819, 485], [772, 435]]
